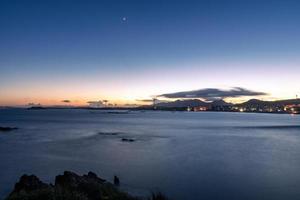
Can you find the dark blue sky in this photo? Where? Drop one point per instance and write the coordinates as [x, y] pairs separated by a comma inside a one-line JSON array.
[[55, 45]]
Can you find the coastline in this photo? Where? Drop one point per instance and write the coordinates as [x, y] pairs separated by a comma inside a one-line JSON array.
[[124, 110]]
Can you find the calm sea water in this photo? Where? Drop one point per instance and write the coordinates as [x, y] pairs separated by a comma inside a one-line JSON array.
[[185, 155]]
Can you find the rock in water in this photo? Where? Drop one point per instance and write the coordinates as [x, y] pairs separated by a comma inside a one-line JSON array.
[[116, 181], [7, 128], [128, 140]]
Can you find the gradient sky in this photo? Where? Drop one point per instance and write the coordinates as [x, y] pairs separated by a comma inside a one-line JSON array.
[[85, 50]]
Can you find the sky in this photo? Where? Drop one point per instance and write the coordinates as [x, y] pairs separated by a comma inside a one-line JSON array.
[[124, 51]]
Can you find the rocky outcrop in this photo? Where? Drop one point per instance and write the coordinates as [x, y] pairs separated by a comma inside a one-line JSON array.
[[68, 186], [71, 186], [29, 184], [127, 140]]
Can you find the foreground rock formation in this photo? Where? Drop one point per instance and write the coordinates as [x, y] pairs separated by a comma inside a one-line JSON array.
[[70, 186]]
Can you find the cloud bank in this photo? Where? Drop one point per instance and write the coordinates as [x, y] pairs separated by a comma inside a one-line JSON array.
[[153, 100], [214, 93]]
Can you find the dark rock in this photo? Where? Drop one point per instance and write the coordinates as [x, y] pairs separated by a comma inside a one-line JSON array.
[[29, 183], [127, 140], [88, 184], [68, 180], [92, 175], [158, 196], [70, 186], [7, 128], [116, 181]]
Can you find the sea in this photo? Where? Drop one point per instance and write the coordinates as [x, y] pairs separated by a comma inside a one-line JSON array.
[[185, 155]]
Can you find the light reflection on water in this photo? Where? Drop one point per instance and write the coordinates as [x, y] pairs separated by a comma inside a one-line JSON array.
[[185, 155]]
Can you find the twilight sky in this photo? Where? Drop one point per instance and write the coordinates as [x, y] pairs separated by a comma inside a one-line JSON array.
[[127, 50]]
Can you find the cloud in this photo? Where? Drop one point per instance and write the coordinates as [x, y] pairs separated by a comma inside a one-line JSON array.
[[66, 101], [214, 93], [154, 100], [145, 100], [95, 101]]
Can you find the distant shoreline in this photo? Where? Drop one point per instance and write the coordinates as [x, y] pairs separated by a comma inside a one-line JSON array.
[[126, 110], [287, 106]]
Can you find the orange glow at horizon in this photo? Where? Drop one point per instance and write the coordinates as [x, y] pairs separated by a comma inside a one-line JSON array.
[[128, 88], [79, 101]]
